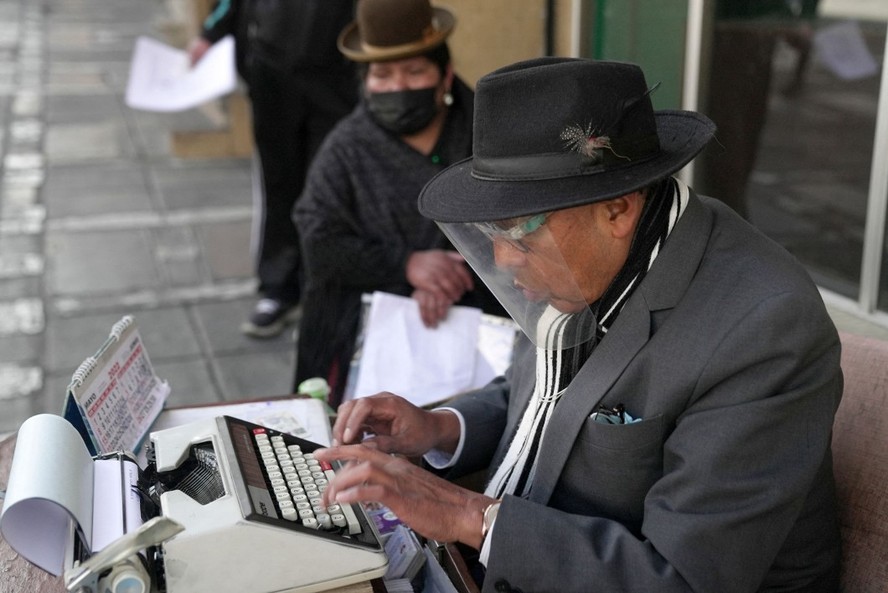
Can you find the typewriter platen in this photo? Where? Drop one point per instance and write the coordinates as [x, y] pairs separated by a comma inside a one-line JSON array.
[[226, 506]]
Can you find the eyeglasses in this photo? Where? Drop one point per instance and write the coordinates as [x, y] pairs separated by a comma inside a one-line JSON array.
[[514, 235]]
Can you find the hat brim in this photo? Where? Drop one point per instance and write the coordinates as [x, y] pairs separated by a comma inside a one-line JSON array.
[[454, 195], [350, 44]]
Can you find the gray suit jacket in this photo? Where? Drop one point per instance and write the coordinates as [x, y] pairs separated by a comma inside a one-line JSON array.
[[727, 354]]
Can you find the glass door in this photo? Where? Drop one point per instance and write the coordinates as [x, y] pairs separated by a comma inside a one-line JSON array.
[[795, 88], [799, 94]]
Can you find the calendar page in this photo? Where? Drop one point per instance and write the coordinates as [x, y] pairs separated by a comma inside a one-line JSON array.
[[116, 392]]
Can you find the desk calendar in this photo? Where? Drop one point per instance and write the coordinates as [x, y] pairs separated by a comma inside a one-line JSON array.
[[115, 395]]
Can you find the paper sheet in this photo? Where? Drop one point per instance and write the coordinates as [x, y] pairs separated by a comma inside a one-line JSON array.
[[494, 355], [403, 356], [302, 417], [161, 78], [116, 505], [47, 492], [843, 50]]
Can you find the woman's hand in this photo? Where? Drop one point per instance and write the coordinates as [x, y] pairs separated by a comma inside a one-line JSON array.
[[196, 49], [439, 272], [433, 307]]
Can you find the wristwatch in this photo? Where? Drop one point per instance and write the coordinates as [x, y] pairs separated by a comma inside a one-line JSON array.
[[488, 518]]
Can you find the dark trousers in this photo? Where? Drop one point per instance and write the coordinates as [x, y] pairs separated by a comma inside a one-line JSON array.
[[738, 103], [292, 113]]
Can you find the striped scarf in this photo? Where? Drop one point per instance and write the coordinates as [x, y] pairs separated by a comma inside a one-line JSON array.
[[556, 366]]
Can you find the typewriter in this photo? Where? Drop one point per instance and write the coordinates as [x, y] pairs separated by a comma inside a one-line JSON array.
[[222, 505]]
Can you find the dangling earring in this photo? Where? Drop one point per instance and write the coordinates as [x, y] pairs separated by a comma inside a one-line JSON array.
[[448, 98]]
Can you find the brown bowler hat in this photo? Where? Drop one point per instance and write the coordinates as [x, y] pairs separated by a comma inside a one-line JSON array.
[[394, 29]]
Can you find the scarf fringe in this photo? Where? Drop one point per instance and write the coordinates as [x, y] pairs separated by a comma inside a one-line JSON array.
[[514, 476]]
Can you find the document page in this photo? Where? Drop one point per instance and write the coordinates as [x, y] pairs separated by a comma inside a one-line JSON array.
[[116, 504], [161, 78], [422, 364], [50, 485], [305, 418], [842, 48]]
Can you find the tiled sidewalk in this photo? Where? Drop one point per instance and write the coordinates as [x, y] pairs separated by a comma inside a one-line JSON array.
[[98, 220]]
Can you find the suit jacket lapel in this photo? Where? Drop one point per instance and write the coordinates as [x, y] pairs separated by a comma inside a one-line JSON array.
[[661, 289]]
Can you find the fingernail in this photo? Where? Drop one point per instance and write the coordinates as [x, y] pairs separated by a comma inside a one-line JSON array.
[[347, 435]]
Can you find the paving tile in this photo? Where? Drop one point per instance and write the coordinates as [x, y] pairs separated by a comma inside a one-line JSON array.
[[82, 109], [21, 349], [190, 382], [93, 188], [21, 316], [23, 178], [95, 263], [26, 132], [205, 185], [16, 288], [70, 340], [221, 322], [18, 409], [27, 103], [16, 265], [16, 161], [256, 374], [52, 400], [167, 333], [226, 249], [74, 143], [19, 243], [179, 256], [19, 381], [26, 220], [152, 131]]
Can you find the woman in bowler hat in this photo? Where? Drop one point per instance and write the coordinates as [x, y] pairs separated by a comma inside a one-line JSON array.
[[665, 424], [360, 228]]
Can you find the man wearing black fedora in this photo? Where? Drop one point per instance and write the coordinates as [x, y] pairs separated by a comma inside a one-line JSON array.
[[665, 424]]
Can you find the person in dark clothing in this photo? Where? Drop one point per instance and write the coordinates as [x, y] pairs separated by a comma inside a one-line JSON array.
[[745, 36], [300, 86], [358, 220]]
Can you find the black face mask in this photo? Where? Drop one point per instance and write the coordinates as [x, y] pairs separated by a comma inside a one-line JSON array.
[[403, 112]]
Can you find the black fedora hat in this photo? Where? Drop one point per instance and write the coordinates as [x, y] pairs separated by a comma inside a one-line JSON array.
[[552, 133], [394, 29]]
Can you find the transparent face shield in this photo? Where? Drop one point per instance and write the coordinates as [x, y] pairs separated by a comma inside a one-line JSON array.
[[534, 273]]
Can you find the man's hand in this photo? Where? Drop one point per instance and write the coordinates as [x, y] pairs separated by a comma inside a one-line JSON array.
[[439, 272], [395, 426], [431, 506], [196, 49]]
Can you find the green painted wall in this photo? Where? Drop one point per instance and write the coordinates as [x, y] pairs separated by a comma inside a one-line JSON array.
[[650, 33]]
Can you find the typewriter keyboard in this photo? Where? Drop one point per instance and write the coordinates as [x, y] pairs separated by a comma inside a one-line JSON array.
[[285, 482], [298, 480]]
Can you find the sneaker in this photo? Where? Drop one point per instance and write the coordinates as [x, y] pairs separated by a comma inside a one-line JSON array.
[[269, 318]]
